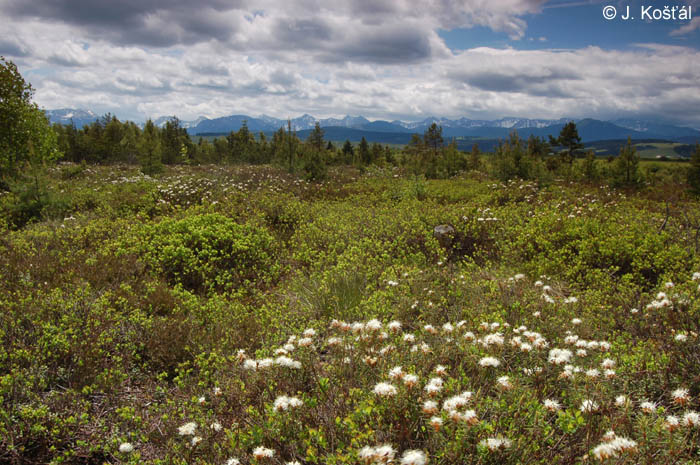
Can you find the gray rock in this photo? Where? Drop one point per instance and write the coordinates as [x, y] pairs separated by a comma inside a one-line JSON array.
[[444, 234]]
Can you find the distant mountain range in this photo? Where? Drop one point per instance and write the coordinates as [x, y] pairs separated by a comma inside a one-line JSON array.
[[65, 115], [399, 132]]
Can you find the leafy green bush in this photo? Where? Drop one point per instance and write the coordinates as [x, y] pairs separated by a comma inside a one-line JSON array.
[[209, 252]]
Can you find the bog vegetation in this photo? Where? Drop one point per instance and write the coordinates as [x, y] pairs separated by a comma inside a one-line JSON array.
[[280, 302]]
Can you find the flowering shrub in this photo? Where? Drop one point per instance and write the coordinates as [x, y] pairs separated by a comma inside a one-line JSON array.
[[238, 315]]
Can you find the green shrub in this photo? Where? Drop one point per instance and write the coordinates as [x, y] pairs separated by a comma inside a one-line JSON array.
[[210, 252]]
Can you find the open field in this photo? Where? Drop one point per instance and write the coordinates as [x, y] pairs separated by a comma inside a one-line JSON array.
[[226, 314], [646, 150]]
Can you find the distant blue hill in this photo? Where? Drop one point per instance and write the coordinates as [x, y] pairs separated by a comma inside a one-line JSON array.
[[68, 116], [354, 128]]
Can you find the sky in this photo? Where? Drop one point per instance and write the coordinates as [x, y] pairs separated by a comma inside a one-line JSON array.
[[383, 59]]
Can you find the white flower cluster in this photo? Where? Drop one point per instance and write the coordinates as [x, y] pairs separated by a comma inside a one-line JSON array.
[[613, 446], [283, 403]]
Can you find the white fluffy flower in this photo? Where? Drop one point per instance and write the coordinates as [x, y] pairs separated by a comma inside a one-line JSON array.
[[691, 419], [457, 402], [283, 403], [434, 386], [504, 382], [126, 447], [560, 356], [552, 405], [494, 444], [261, 452], [287, 362], [436, 423], [384, 390], [647, 407], [489, 362], [613, 446], [373, 326], [589, 406], [430, 407], [384, 454], [187, 429], [680, 396], [410, 380], [309, 332], [414, 457], [305, 342]]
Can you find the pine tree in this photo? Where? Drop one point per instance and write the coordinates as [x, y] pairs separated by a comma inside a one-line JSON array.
[[590, 170], [150, 150], [365, 156], [316, 137], [474, 158], [626, 165], [433, 138], [569, 138], [290, 145], [129, 144], [348, 152]]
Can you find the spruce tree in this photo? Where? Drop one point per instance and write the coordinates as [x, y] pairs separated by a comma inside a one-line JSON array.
[[150, 150], [569, 138], [474, 158], [365, 156], [316, 137], [626, 165], [348, 152]]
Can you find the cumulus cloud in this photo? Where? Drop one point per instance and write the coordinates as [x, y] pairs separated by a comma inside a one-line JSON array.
[[13, 47], [692, 26], [269, 24], [383, 59]]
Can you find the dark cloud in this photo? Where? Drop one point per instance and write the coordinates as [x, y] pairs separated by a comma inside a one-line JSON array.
[[10, 48], [63, 60], [302, 33], [384, 46], [209, 69], [283, 78], [145, 22], [544, 82], [91, 12]]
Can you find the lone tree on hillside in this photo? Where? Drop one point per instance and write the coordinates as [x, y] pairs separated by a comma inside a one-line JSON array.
[[626, 165], [569, 138]]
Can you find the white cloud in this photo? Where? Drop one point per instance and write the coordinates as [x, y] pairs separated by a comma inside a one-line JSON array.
[[382, 59], [692, 26]]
